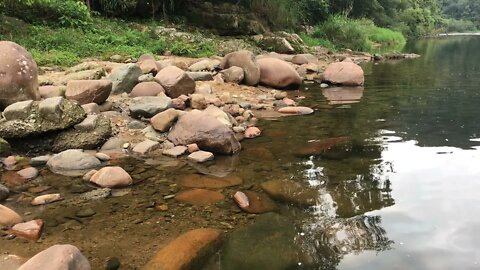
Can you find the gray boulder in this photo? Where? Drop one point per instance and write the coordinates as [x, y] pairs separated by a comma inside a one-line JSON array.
[[124, 78], [149, 106], [72, 162]]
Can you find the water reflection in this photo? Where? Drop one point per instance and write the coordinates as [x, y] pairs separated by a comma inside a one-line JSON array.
[[343, 95]]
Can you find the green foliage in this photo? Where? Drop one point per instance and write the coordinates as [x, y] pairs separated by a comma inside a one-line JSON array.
[[359, 35], [454, 25], [58, 12], [461, 10]]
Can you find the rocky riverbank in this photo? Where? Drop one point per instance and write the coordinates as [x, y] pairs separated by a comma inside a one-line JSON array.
[[72, 139]]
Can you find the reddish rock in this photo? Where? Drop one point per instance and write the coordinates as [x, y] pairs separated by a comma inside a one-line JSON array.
[[257, 203], [291, 192], [193, 147], [9, 161], [18, 75], [321, 146], [252, 132], [164, 121], [344, 73], [146, 147], [189, 251], [175, 81], [233, 75], [246, 61], [58, 257], [88, 91], [289, 102], [111, 177], [198, 101], [278, 74], [147, 89], [28, 173], [204, 181], [199, 197], [8, 217], [175, 151], [12, 179], [296, 110], [31, 230]]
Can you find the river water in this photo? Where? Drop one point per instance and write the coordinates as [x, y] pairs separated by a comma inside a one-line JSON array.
[[398, 175]]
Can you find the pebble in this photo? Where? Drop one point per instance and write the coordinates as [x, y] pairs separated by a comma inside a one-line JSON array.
[[324, 85], [103, 157], [175, 151], [201, 156], [45, 199], [89, 175], [28, 173], [31, 230], [252, 132]]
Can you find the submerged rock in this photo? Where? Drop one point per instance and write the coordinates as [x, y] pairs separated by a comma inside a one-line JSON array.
[[4, 192], [46, 199], [72, 163], [253, 202], [291, 192], [199, 197], [296, 110], [204, 181], [58, 257]]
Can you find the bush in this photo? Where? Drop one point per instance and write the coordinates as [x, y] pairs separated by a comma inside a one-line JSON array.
[[59, 12], [454, 25]]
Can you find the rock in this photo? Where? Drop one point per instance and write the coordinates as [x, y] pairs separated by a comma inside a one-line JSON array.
[[201, 76], [246, 61], [189, 251], [11, 262], [146, 78], [204, 65], [46, 199], [51, 114], [103, 157], [18, 74], [302, 59], [148, 66], [175, 151], [204, 181], [86, 212], [96, 194], [147, 89], [93, 74], [91, 108], [253, 202], [193, 147], [289, 102], [135, 124], [113, 264], [31, 230], [88, 91], [4, 192], [200, 156], [276, 44], [28, 173], [150, 133], [58, 257], [291, 192], [9, 161], [233, 75], [72, 162], [106, 106], [111, 177], [49, 91], [319, 147], [5, 148], [146, 147], [8, 217], [124, 78], [252, 132], [113, 144], [88, 175], [164, 121], [278, 74], [198, 102], [206, 131], [343, 95], [199, 197], [219, 114], [344, 73], [20, 110], [89, 134], [149, 106], [296, 110], [179, 104], [40, 160], [204, 89], [175, 81]]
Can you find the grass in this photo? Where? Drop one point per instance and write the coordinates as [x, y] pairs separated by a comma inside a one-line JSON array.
[[66, 46], [339, 32]]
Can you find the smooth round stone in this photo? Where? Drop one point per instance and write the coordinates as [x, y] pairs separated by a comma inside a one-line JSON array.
[[291, 192], [28, 173], [72, 163], [258, 203], [199, 197], [204, 181], [46, 199], [252, 132], [103, 157], [110, 177], [8, 217], [113, 264], [296, 110]]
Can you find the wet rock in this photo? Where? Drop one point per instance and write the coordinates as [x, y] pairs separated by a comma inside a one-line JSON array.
[[49, 91], [199, 197], [289, 102], [200, 76], [91, 108], [344, 73], [146, 146], [204, 181], [96, 194], [46, 199], [86, 212], [252, 132], [58, 257], [175, 81], [206, 64], [31, 230], [164, 121], [149, 106], [124, 78], [4, 192], [319, 147], [246, 61], [72, 162], [296, 110], [253, 202], [200, 156], [18, 74], [8, 217], [189, 251], [278, 74], [147, 89], [5, 148], [111, 177], [291, 192], [88, 91], [206, 131], [40, 161], [343, 95], [175, 151], [233, 75], [48, 115], [92, 132], [28, 173]]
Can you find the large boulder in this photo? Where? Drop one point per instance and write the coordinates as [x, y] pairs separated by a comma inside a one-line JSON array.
[[149, 106], [27, 118], [18, 74], [175, 81], [124, 78], [233, 75], [278, 73], [147, 89], [344, 73], [245, 60], [58, 257], [88, 91], [72, 162], [206, 131]]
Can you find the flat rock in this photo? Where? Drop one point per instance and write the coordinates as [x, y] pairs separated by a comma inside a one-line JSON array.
[[199, 197], [291, 192], [28, 173], [46, 199], [200, 156], [149, 106], [73, 163], [175, 151], [296, 110], [111, 177], [146, 147], [204, 181], [58, 257]]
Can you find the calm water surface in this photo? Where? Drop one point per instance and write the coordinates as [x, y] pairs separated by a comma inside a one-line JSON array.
[[400, 187]]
